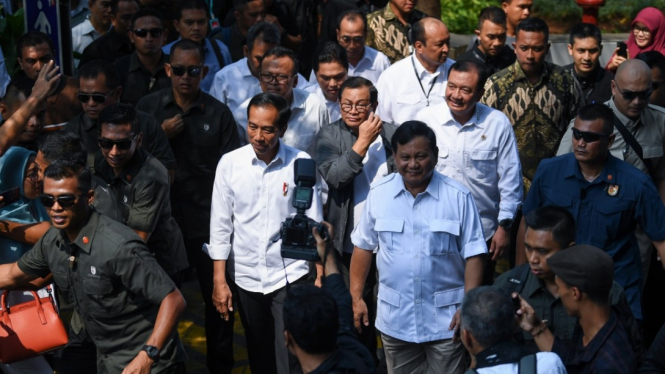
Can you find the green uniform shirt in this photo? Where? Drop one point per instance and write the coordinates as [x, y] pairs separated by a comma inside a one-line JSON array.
[[210, 131], [116, 287], [141, 193]]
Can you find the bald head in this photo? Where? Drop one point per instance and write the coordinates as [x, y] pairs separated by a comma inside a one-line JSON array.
[[631, 88], [427, 27], [431, 40]]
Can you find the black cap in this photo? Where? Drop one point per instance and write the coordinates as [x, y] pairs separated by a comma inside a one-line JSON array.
[[584, 266]]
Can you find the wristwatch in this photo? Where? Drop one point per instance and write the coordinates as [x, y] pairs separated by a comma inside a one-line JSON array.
[[152, 351], [506, 223]]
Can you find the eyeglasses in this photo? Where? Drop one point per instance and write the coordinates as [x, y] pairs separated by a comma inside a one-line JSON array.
[[193, 71], [355, 39], [98, 98], [142, 33], [361, 108], [122, 144], [589, 137], [655, 85], [280, 78], [645, 31], [632, 95], [65, 201]]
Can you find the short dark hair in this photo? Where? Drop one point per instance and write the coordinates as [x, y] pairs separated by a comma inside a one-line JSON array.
[[19, 85], [592, 112], [119, 114], [410, 130], [468, 66], [265, 32], [115, 5], [239, 5], [190, 5], [583, 31], [95, 68], [352, 15], [273, 100], [187, 45], [32, 39], [493, 14], [147, 12], [533, 24], [330, 52], [554, 219], [279, 52], [654, 59], [358, 82], [417, 32], [60, 145], [488, 314], [69, 168], [312, 318]]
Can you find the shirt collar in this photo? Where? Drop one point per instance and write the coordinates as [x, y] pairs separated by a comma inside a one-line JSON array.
[[519, 73], [589, 352], [169, 99], [608, 175], [388, 14], [244, 68], [87, 234], [128, 175], [625, 120], [135, 63], [86, 27], [432, 188], [420, 69], [87, 122], [447, 116], [280, 156], [299, 98]]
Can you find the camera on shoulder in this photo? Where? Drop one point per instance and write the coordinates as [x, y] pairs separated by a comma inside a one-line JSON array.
[[298, 242]]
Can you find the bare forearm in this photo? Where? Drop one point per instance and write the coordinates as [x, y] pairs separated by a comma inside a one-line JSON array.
[[360, 264], [11, 277], [24, 233], [219, 272], [520, 255], [167, 318], [544, 340], [660, 247], [473, 272], [14, 125]]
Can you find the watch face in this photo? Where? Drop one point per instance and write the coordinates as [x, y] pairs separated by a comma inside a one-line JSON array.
[[152, 351]]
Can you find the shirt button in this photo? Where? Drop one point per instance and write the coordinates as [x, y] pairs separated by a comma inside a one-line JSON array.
[[417, 301], [417, 279], [417, 232], [416, 207], [416, 256]]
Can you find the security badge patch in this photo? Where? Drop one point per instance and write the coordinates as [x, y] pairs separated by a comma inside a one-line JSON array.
[[612, 190]]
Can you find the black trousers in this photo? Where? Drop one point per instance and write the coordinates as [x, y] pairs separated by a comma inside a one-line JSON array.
[[219, 333]]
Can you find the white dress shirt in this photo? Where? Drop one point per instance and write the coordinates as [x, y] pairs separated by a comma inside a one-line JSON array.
[[482, 155], [423, 246], [334, 110], [82, 35], [234, 84], [210, 58], [400, 94], [546, 363], [250, 200], [308, 115], [370, 66]]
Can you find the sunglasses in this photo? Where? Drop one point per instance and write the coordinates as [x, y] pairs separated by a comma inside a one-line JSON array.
[[142, 33], [65, 201], [193, 71], [121, 144], [632, 95], [355, 39], [98, 98], [589, 137]]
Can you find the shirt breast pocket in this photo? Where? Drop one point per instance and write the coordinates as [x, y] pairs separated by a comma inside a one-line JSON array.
[[482, 162], [390, 234], [443, 236], [614, 218], [102, 297], [557, 199], [652, 152], [204, 135]]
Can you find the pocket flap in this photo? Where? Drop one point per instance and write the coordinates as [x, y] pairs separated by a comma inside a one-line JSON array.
[[408, 99], [558, 199], [481, 154], [97, 287], [445, 225], [652, 152], [617, 207], [388, 295], [449, 297], [392, 225]]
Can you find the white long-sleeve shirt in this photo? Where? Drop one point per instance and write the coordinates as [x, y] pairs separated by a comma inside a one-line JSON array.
[[250, 201]]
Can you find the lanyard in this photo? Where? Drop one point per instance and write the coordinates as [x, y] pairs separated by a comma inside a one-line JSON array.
[[421, 83]]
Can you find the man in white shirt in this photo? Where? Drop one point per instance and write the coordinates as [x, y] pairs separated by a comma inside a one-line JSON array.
[[420, 80], [364, 61], [431, 251], [331, 69], [477, 148], [251, 198], [278, 73], [96, 25]]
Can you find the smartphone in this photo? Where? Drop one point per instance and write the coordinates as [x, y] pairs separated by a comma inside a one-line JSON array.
[[622, 49], [10, 196], [516, 303]]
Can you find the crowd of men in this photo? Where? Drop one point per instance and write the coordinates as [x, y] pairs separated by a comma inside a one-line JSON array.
[[174, 152]]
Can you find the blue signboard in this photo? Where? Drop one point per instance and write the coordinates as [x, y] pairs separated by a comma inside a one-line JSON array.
[[44, 16]]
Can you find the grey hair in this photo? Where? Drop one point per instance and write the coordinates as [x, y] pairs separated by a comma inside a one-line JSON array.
[[488, 314]]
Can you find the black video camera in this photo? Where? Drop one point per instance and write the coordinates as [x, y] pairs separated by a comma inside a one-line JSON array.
[[297, 239]]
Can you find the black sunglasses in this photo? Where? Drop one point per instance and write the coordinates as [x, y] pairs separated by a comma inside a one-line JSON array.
[[98, 98], [632, 95], [589, 137], [121, 144], [193, 71], [142, 33], [65, 201]]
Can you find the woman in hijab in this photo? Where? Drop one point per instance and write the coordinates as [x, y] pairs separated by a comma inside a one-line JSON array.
[[648, 34], [18, 169]]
